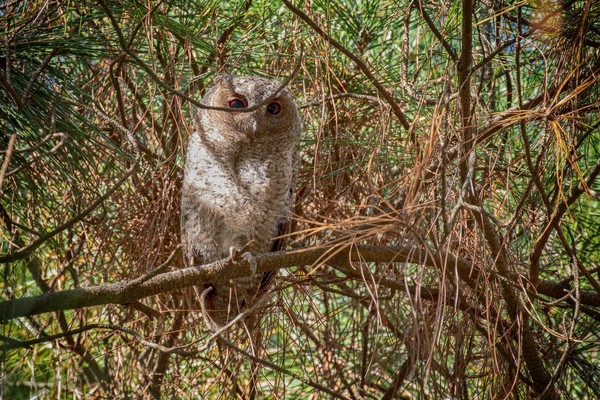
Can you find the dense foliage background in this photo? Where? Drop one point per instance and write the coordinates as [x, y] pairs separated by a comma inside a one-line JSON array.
[[452, 146]]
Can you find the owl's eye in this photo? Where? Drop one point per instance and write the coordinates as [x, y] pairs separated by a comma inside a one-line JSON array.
[[236, 103], [274, 108]]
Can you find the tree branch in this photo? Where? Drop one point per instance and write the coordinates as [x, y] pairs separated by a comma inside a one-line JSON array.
[[436, 32], [540, 244], [126, 292], [463, 69], [357, 60]]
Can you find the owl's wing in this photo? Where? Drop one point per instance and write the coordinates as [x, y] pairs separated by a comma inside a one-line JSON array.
[[283, 227]]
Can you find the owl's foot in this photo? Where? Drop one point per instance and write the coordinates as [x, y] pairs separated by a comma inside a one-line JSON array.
[[246, 255], [251, 260]]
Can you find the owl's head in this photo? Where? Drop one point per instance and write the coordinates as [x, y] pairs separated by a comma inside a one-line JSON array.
[[277, 119]]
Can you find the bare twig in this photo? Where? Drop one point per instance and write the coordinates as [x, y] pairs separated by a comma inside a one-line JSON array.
[[9, 150], [28, 249], [357, 60], [158, 80]]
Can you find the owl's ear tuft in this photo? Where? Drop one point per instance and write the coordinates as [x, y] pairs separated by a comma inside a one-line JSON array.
[[223, 80]]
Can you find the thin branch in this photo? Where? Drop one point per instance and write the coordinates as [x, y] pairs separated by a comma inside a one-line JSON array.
[[540, 377], [35, 146], [11, 90], [63, 139], [282, 370], [28, 91], [24, 252], [463, 69], [158, 80], [358, 96], [540, 244], [437, 33], [9, 150], [494, 53], [357, 60]]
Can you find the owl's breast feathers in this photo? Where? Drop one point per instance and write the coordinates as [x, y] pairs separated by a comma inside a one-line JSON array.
[[267, 176], [249, 198]]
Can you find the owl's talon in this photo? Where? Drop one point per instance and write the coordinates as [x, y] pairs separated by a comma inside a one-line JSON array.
[[233, 255], [251, 260], [233, 250]]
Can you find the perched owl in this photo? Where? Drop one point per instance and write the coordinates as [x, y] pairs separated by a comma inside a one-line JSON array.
[[237, 185]]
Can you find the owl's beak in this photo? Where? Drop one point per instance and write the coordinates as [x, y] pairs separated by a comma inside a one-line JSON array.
[[249, 127]]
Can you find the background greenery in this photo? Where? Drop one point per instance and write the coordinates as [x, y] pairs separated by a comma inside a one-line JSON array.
[[466, 131]]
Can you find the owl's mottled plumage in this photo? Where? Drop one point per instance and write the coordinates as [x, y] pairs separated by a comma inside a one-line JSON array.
[[237, 184]]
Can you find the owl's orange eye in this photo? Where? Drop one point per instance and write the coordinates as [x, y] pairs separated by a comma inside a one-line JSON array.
[[274, 108], [236, 103]]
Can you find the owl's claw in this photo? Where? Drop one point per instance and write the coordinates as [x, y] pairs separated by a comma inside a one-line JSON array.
[[251, 260], [233, 254], [233, 250]]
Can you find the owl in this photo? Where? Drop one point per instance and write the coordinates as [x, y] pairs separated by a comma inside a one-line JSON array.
[[238, 184]]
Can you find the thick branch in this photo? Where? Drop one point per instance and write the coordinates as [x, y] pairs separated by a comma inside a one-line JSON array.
[[129, 291], [126, 292]]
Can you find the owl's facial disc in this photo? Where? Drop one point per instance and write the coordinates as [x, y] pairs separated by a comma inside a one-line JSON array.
[[268, 121]]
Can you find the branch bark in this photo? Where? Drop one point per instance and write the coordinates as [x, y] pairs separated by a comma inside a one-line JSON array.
[[126, 292]]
